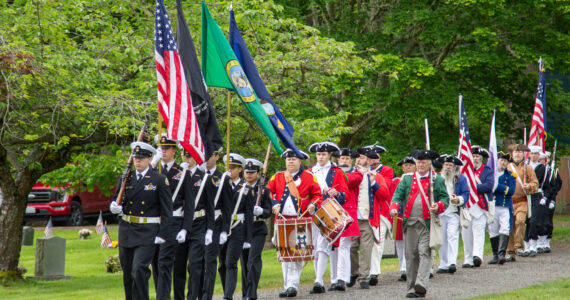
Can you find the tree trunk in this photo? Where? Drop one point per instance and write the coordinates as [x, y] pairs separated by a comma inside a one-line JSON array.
[[12, 214]]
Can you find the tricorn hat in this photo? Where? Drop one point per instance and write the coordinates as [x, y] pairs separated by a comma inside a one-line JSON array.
[[346, 152], [406, 160], [424, 154], [504, 155], [324, 147], [291, 153], [450, 158], [480, 151]]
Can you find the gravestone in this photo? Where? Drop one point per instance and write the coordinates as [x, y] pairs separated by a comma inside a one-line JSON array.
[[50, 258], [389, 249], [28, 236]]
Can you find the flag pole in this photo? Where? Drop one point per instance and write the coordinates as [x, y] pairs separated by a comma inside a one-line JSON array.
[[228, 132], [159, 137]]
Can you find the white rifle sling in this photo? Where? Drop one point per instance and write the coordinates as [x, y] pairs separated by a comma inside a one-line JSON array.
[[202, 184], [179, 183], [220, 189]]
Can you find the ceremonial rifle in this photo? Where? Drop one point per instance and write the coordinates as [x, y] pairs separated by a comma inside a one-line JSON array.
[[128, 170], [261, 187], [431, 179], [552, 162]]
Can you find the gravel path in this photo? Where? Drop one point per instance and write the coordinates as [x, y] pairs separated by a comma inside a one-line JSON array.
[[464, 283]]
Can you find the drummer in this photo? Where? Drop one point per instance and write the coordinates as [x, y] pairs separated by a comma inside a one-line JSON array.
[[287, 189], [340, 256], [332, 182]]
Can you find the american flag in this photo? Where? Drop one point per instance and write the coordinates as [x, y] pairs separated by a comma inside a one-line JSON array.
[[106, 239], [538, 125], [174, 101], [99, 225], [466, 155], [49, 229]]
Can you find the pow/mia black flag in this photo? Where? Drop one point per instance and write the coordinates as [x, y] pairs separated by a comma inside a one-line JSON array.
[[203, 108]]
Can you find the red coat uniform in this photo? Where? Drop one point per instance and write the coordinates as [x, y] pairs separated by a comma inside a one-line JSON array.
[[382, 197], [309, 190], [351, 204], [388, 174]]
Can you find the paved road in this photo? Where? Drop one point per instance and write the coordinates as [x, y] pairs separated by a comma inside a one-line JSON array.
[[465, 283]]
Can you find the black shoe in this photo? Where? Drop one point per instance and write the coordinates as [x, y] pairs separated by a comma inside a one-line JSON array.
[[332, 287], [291, 292], [547, 250], [317, 289], [532, 253], [520, 251], [494, 261], [476, 261], [340, 286], [466, 265], [364, 285], [442, 271], [373, 280], [430, 276], [283, 294], [539, 250], [452, 269], [420, 290], [411, 295], [403, 277], [503, 242], [510, 258], [352, 281]]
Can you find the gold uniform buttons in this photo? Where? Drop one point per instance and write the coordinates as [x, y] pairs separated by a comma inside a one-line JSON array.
[[142, 212], [142, 203], [130, 212], [131, 202]]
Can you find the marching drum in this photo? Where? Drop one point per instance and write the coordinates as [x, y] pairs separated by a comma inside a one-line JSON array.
[[294, 239], [332, 220]]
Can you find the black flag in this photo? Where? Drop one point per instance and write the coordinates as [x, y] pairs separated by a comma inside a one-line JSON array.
[[203, 108]]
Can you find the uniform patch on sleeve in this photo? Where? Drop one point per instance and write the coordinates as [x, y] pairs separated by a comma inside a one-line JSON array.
[[166, 181]]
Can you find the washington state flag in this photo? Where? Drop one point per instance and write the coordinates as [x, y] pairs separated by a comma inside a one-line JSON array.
[[221, 68]]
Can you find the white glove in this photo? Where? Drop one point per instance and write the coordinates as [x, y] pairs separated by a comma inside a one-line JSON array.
[[257, 210], [223, 237], [227, 173], [181, 236], [115, 208], [157, 157], [551, 205], [208, 238], [158, 240], [543, 201], [184, 165], [246, 245]]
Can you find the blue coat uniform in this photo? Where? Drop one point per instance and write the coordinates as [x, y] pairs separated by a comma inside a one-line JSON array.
[[504, 192], [462, 189]]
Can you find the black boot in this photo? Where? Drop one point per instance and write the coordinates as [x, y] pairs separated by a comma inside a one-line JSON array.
[[503, 242], [495, 248]]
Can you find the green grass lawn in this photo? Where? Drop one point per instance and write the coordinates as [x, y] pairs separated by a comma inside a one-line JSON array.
[[551, 290], [85, 262]]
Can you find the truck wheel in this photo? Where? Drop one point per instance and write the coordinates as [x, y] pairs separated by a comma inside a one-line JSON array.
[[75, 215]]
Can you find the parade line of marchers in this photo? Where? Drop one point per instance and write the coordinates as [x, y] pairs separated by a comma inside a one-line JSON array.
[[191, 221]]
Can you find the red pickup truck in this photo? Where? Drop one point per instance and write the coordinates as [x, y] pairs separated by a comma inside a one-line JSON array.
[[63, 206]]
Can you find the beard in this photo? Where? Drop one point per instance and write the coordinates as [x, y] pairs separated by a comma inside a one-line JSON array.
[[449, 177], [344, 168]]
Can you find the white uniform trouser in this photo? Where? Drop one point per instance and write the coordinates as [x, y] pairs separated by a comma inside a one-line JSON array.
[[321, 253], [378, 250], [340, 261], [449, 240], [400, 250], [474, 238], [500, 223], [292, 273]]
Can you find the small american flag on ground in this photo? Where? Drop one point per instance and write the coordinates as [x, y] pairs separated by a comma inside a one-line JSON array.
[[174, 101], [466, 155], [106, 239], [48, 231], [100, 225]]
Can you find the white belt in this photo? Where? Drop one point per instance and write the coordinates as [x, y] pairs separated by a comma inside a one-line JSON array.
[[217, 213], [199, 214], [178, 213], [237, 217], [141, 220]]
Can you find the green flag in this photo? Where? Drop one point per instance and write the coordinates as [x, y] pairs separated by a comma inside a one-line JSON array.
[[222, 69]]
